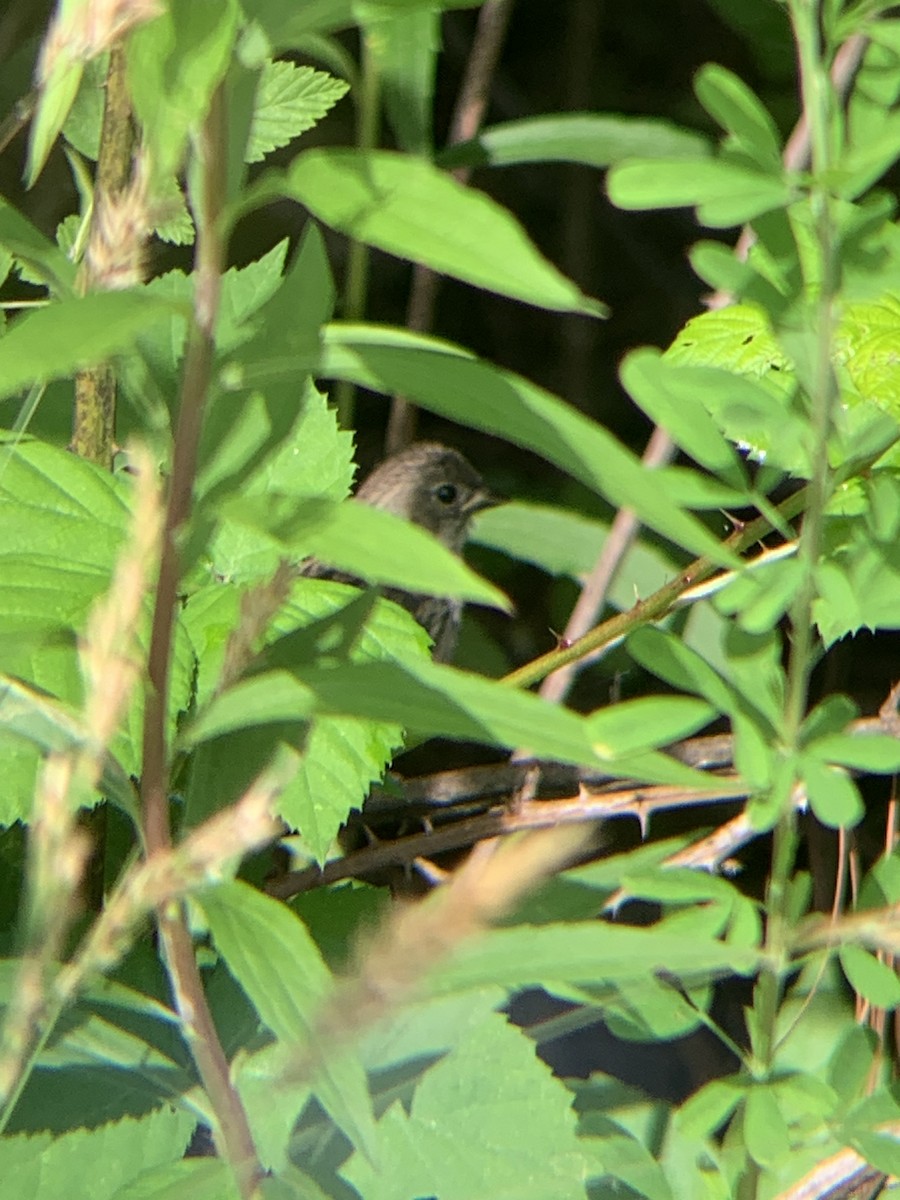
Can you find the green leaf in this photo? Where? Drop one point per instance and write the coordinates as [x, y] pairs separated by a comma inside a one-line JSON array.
[[671, 660], [882, 1150], [563, 542], [508, 1133], [273, 696], [82, 125], [867, 343], [275, 961], [651, 721], [272, 1103], [738, 110], [878, 753], [175, 63], [709, 1108], [286, 25], [92, 1164], [66, 521], [723, 194], [44, 260], [765, 1129], [411, 209], [453, 383], [403, 41], [588, 952], [199, 1178], [53, 728], [341, 756], [621, 1157], [71, 334], [438, 701], [874, 980], [364, 541], [595, 139], [738, 338], [833, 795], [857, 584], [290, 100], [849, 1066], [672, 397], [57, 94]]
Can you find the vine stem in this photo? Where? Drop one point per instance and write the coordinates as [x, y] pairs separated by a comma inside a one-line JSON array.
[[233, 1136], [817, 95]]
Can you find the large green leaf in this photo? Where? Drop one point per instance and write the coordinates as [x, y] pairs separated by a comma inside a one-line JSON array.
[[435, 700], [723, 193], [363, 541], [66, 336], [198, 1178], [595, 139], [507, 1133], [590, 952], [271, 955], [410, 208], [66, 521], [455, 384], [92, 1164], [341, 755]]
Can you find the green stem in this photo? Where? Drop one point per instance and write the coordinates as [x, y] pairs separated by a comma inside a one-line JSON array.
[[655, 606], [821, 287]]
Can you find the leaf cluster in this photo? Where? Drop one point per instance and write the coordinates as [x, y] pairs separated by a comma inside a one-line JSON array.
[[336, 1045]]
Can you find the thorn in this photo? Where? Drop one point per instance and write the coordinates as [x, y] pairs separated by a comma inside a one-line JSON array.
[[430, 871], [643, 816]]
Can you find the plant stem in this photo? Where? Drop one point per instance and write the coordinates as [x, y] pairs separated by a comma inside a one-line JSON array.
[[94, 417], [822, 393], [233, 1136], [654, 606]]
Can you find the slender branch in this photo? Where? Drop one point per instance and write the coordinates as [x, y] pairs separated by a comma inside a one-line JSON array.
[[821, 285], [655, 606], [233, 1133], [17, 118], [637, 802], [493, 21], [660, 450]]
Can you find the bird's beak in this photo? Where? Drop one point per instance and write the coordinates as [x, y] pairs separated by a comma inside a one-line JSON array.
[[481, 499]]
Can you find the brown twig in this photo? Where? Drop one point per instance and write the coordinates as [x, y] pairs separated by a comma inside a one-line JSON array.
[[637, 802], [465, 123], [454, 804], [233, 1135], [660, 450]]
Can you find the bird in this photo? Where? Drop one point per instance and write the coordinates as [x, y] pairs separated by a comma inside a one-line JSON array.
[[436, 487]]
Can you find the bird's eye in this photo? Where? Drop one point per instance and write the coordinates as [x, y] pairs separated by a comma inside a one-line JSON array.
[[446, 493]]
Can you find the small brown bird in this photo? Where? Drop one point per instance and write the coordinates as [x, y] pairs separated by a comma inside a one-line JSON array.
[[437, 488]]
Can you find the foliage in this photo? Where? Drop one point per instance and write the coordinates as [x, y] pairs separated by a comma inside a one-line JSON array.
[[170, 684]]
